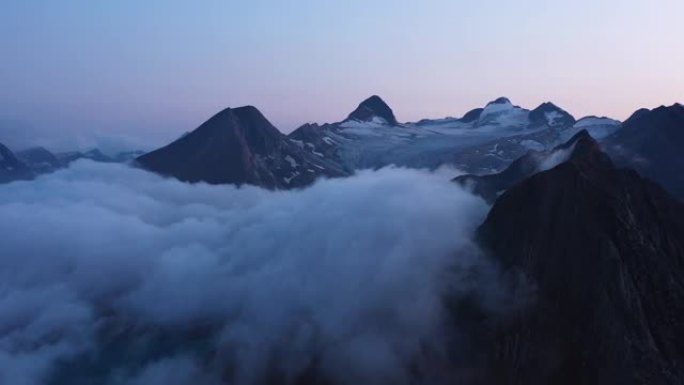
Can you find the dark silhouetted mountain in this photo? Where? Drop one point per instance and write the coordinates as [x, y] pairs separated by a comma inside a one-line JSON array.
[[238, 146], [472, 115], [492, 185], [604, 249], [373, 107], [551, 115], [40, 160], [651, 142], [639, 113], [11, 168]]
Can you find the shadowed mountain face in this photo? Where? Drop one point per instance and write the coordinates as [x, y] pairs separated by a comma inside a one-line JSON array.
[[605, 251], [651, 142], [40, 160], [11, 168], [373, 107], [238, 146]]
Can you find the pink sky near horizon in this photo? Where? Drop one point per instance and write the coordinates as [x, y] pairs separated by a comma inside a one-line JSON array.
[[158, 68]]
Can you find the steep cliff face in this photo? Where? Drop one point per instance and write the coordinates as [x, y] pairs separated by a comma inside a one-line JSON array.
[[605, 251]]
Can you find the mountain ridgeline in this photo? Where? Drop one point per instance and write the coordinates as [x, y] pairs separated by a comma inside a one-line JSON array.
[[601, 246], [239, 146], [587, 213]]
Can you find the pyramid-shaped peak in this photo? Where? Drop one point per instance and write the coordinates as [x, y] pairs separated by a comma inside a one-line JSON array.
[[248, 112], [244, 114], [373, 109], [248, 118], [587, 151], [551, 115]]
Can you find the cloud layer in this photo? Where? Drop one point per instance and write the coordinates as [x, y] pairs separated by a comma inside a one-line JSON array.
[[114, 275]]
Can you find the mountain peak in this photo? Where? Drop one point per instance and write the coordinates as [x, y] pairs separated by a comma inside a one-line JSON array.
[[548, 106], [249, 123], [373, 107], [639, 113], [602, 248], [237, 146], [245, 114], [587, 151], [500, 100], [550, 114], [472, 115], [248, 111]]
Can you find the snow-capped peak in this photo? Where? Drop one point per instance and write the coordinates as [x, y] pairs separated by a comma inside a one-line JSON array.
[[497, 106], [502, 111]]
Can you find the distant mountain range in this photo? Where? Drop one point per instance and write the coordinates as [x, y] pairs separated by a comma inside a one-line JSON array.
[[587, 212], [483, 140], [240, 146], [31, 162]]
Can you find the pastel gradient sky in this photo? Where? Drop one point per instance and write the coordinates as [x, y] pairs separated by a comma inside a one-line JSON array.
[[156, 68]]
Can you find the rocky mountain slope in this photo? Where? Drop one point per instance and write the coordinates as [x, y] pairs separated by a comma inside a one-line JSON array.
[[604, 249]]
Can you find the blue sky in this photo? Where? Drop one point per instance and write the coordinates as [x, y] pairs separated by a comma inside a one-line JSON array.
[[156, 68]]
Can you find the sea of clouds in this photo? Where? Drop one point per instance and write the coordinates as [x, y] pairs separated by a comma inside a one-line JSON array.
[[113, 275]]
